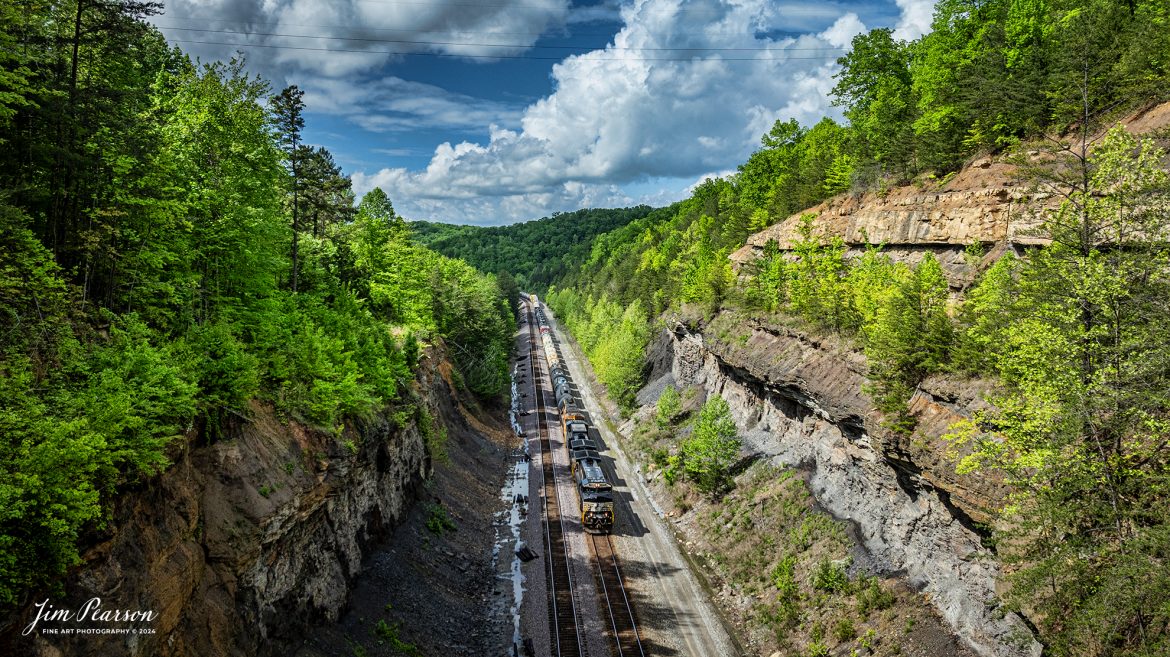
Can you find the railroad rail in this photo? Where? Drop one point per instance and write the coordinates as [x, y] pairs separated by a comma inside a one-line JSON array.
[[617, 603], [565, 635]]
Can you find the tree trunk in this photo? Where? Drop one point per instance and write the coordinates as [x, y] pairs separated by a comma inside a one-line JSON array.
[[296, 218]]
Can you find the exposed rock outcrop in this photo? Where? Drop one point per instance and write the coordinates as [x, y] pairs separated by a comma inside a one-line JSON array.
[[799, 403], [243, 543], [985, 203], [982, 204]]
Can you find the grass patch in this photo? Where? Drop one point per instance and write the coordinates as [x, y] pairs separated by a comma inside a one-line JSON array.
[[390, 634], [438, 522]]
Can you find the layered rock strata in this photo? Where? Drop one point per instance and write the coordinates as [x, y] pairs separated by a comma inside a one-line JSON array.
[[243, 543], [986, 203], [799, 403]]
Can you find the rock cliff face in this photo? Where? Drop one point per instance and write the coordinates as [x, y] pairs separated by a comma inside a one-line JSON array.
[[243, 543], [985, 203], [799, 403], [982, 204]]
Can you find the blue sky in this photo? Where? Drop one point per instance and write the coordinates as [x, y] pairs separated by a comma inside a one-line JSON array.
[[509, 110]]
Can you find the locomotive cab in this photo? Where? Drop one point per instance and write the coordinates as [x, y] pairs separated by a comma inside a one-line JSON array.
[[597, 510], [581, 443], [596, 495]]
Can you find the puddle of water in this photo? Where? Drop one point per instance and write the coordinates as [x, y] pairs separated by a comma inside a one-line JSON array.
[[515, 493]]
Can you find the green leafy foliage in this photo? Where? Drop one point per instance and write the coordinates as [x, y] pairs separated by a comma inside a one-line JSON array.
[[986, 316], [1080, 431], [172, 255], [875, 86], [613, 337], [391, 634], [668, 407], [708, 453], [830, 576], [989, 74], [817, 283], [536, 253], [101, 419], [873, 597], [434, 435], [784, 576], [438, 522], [910, 337]]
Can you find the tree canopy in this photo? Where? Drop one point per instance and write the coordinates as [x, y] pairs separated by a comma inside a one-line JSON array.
[[173, 253]]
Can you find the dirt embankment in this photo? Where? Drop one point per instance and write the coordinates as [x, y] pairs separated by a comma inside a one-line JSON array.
[[251, 544]]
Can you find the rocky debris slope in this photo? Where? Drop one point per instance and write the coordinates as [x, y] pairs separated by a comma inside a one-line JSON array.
[[241, 544], [798, 403]]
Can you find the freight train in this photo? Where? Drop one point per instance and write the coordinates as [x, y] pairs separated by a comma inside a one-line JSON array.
[[594, 491]]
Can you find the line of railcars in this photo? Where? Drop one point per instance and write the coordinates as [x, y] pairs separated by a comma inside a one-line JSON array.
[[593, 488]]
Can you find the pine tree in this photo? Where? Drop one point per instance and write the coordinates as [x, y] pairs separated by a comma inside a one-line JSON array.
[[288, 116], [911, 337]]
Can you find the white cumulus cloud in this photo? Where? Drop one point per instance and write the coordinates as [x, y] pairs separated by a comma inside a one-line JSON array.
[[391, 104], [916, 18], [341, 37], [683, 89]]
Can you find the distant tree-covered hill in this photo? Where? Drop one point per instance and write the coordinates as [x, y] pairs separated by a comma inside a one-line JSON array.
[[535, 252]]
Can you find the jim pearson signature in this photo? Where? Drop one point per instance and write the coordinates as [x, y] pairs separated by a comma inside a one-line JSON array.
[[91, 611]]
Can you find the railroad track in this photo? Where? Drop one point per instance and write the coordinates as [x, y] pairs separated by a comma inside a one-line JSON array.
[[617, 602], [565, 635]]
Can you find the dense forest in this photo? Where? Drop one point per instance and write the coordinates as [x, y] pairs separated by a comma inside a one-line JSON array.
[[1074, 332], [535, 253], [172, 251]]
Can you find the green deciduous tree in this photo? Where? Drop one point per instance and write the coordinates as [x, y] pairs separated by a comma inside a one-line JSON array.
[[669, 405], [876, 89], [987, 315], [711, 449], [618, 355], [145, 240], [1082, 430], [225, 251]]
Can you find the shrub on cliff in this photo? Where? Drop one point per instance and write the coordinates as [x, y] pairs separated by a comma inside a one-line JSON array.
[[707, 455], [668, 407]]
